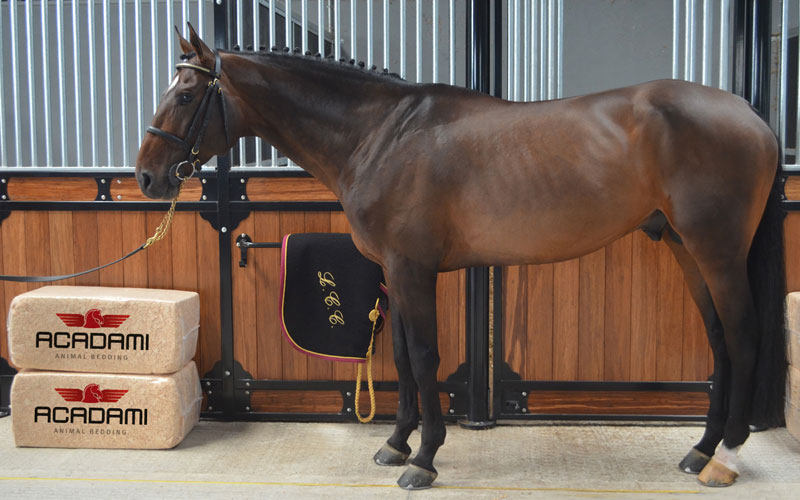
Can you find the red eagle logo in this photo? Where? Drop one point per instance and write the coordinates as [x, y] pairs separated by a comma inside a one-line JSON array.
[[91, 394], [93, 319]]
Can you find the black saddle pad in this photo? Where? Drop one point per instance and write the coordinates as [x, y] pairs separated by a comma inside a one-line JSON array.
[[327, 292]]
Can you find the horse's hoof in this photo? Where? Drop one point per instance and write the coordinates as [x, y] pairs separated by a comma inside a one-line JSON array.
[[715, 474], [387, 455], [693, 462], [416, 478]]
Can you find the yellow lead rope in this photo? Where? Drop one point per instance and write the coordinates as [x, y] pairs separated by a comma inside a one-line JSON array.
[[373, 316], [166, 222]]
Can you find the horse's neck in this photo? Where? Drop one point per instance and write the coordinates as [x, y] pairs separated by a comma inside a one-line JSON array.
[[312, 111]]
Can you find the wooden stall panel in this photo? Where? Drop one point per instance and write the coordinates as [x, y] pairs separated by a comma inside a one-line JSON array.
[[65, 242], [327, 402], [127, 189], [288, 189], [52, 189], [622, 313], [258, 339]]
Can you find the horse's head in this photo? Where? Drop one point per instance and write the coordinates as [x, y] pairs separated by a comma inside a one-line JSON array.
[[93, 319], [92, 394], [189, 126]]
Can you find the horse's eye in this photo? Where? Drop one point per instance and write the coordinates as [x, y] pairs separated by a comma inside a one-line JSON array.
[[186, 98]]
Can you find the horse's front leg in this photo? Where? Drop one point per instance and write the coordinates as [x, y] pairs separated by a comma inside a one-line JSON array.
[[413, 290], [396, 449]]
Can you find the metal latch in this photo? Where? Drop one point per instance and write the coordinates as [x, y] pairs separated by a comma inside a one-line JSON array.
[[244, 242]]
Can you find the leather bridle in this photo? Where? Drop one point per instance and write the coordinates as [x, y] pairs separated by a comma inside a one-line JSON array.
[[199, 123]]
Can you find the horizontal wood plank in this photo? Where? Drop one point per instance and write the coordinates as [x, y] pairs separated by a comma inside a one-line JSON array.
[[287, 189]]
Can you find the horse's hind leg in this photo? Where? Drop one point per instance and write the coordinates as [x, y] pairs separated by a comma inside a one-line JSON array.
[[729, 285], [413, 290], [396, 449], [701, 453]]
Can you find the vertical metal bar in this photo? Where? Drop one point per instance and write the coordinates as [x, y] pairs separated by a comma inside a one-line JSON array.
[[90, 33], [256, 47], [551, 47], [201, 16], [370, 20], [526, 52], [154, 52], [14, 23], [560, 51], [419, 40], [272, 15], [337, 29], [321, 27], [271, 20], [386, 33], [170, 38], [706, 51], [137, 15], [184, 17], [782, 74], [402, 38], [123, 82], [690, 42], [76, 55], [452, 49], [3, 148], [676, 28], [435, 40], [353, 33], [62, 102], [797, 129], [477, 288], [304, 31], [45, 28], [515, 58], [107, 80], [510, 51], [288, 24], [762, 37], [31, 82], [240, 43], [543, 49], [535, 90], [724, 52]]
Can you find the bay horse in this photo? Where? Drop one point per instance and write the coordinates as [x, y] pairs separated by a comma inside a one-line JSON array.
[[435, 178]]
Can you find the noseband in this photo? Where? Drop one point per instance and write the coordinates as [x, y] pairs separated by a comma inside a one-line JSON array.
[[199, 123]]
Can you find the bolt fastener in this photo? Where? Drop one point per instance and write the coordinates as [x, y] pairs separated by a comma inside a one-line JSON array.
[[223, 229], [227, 373]]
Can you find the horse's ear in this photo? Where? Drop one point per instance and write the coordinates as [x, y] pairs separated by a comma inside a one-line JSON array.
[[202, 50], [186, 47]]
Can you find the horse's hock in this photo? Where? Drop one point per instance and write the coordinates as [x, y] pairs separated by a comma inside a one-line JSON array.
[[793, 349]]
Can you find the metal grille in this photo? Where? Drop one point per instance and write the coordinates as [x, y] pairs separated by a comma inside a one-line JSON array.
[[421, 40], [85, 76]]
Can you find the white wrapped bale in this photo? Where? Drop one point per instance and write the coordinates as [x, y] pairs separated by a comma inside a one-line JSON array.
[[793, 327], [87, 410], [793, 402], [101, 329], [793, 347]]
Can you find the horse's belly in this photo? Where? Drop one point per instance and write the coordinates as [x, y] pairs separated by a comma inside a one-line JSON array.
[[540, 237]]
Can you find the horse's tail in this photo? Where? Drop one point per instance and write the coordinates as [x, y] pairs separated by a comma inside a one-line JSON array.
[[767, 274]]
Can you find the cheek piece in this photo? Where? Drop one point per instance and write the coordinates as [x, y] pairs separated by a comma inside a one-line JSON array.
[[199, 122]]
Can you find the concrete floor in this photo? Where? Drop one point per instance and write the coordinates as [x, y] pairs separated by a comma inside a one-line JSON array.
[[327, 461]]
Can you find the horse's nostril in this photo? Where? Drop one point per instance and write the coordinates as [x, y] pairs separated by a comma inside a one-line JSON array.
[[147, 179]]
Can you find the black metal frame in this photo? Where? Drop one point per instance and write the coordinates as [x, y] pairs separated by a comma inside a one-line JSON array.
[[474, 398]]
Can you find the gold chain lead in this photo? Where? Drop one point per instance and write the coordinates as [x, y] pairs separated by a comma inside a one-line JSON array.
[[166, 222]]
